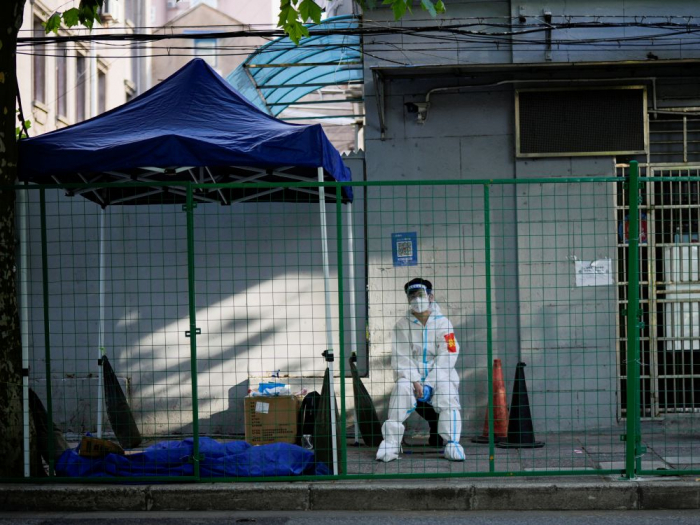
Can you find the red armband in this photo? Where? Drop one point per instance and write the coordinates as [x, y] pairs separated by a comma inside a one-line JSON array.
[[451, 343]]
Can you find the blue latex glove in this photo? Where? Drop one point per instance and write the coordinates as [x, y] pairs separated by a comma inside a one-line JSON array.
[[427, 394]]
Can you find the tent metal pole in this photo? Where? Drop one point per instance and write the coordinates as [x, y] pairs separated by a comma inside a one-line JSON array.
[[101, 331], [329, 327], [22, 205], [100, 343], [351, 299]]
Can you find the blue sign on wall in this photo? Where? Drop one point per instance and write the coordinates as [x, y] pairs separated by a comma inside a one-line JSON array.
[[404, 248]]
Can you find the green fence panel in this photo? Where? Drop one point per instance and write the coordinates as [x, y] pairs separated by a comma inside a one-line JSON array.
[[560, 340]]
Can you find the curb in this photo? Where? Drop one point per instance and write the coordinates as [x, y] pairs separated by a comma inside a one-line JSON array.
[[375, 496]]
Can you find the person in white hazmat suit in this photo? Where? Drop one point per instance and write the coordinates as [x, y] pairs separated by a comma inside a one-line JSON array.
[[424, 354]]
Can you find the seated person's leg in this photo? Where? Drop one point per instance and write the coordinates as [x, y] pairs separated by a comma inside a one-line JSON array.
[[446, 404], [401, 404]]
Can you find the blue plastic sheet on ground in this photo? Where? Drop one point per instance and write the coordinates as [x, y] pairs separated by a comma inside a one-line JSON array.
[[174, 458]]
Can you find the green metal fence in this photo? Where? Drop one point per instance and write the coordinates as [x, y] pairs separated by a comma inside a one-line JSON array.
[[195, 305]]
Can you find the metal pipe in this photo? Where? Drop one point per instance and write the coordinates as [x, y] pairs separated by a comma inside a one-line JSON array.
[[341, 326], [47, 327], [22, 207], [189, 209], [329, 327], [101, 329], [542, 81], [351, 298], [633, 396]]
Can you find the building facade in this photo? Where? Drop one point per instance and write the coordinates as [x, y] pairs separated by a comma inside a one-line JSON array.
[[65, 83], [462, 105]]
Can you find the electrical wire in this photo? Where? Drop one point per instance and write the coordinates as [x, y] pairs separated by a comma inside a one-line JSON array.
[[459, 29]]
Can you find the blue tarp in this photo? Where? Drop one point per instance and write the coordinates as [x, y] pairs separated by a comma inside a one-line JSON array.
[[174, 458], [194, 118]]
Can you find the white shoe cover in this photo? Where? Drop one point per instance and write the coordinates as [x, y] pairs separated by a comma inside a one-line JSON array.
[[454, 452], [387, 452]]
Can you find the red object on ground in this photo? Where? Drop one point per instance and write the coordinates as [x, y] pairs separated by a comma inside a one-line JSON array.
[[500, 409]]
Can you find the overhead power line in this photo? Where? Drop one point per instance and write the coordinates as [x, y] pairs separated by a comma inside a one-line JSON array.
[[674, 28]]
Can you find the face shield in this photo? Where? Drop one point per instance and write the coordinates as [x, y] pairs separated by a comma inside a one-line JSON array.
[[418, 297]]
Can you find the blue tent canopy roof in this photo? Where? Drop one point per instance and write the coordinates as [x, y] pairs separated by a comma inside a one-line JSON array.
[[191, 126], [281, 72]]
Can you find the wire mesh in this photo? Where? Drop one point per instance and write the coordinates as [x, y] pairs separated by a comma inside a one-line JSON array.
[[215, 319]]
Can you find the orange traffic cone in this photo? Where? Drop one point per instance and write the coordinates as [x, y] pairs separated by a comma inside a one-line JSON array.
[[500, 409]]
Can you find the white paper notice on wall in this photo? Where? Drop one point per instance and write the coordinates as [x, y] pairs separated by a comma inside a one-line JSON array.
[[262, 408], [594, 273]]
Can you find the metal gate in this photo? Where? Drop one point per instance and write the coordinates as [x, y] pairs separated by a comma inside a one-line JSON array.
[[669, 289]]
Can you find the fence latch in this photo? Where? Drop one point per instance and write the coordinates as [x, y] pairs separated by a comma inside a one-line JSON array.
[[197, 331]]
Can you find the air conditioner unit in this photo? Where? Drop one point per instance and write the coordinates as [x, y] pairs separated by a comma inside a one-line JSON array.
[[578, 121], [172, 4]]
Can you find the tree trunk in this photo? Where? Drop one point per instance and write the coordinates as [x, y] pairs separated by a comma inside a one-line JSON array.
[[11, 446]]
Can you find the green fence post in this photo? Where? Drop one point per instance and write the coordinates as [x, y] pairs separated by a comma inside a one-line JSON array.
[[189, 208], [489, 321], [633, 439], [47, 328], [341, 328]]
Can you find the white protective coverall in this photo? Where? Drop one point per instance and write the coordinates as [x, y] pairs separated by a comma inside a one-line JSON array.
[[427, 354]]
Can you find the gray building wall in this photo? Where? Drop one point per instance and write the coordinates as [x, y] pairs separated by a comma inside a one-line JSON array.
[[566, 335]]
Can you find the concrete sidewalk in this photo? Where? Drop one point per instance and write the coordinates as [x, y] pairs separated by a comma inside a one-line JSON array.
[[544, 489], [452, 494]]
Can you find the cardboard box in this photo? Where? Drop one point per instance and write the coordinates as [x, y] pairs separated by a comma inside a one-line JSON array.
[[91, 447], [271, 419]]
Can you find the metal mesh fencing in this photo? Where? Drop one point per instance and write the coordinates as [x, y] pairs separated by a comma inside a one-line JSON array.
[[217, 321]]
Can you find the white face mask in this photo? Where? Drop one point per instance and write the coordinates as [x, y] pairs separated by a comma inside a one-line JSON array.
[[419, 304]]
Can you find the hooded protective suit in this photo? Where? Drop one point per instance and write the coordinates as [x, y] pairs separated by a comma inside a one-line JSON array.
[[427, 354]]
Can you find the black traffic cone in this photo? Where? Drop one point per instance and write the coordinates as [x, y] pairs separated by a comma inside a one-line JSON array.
[[520, 433]]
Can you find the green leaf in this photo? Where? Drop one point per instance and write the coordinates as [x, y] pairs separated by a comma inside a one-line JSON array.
[[53, 23], [399, 8], [88, 12], [293, 29], [429, 7], [284, 13], [440, 7], [310, 10], [71, 17]]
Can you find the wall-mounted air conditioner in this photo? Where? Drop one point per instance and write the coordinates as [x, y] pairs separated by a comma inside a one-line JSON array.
[[578, 121]]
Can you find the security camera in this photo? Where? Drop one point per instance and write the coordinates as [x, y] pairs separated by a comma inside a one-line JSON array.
[[420, 109]]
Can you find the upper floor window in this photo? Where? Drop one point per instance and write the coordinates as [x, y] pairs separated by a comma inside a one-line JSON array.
[[80, 87], [101, 92], [61, 80], [39, 88], [205, 48], [212, 3]]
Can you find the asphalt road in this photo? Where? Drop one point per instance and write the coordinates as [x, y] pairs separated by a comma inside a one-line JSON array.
[[675, 517]]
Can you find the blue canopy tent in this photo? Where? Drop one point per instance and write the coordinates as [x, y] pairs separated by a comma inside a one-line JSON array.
[[192, 126]]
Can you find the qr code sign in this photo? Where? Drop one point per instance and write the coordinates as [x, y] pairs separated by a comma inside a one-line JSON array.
[[404, 248]]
